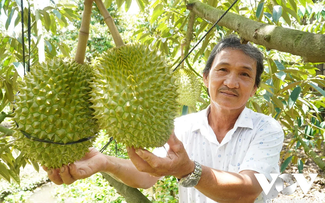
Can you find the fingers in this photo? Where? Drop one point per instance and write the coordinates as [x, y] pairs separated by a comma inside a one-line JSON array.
[[175, 144], [137, 161], [54, 176], [65, 175], [60, 176], [147, 162]]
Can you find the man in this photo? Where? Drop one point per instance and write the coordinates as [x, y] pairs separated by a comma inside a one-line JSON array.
[[215, 152]]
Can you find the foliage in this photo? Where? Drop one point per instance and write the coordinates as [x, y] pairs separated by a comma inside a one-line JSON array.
[[13, 192], [56, 25], [291, 90], [166, 190]]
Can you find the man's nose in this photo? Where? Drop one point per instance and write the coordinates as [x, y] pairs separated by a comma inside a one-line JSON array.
[[231, 81]]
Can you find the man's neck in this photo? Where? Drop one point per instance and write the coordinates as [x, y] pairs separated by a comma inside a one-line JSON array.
[[222, 120]]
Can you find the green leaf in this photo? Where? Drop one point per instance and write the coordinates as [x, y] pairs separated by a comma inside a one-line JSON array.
[[294, 96], [14, 176], [260, 9], [47, 20], [35, 165], [107, 3], [119, 3], [285, 164], [4, 172], [293, 5], [159, 9], [279, 65], [48, 45], [277, 12], [57, 13], [303, 2], [53, 25], [127, 5], [320, 90], [64, 49], [9, 92], [9, 18], [285, 15], [281, 75], [141, 4]]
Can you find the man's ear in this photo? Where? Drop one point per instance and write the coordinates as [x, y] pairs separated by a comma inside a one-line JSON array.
[[253, 91], [206, 80]]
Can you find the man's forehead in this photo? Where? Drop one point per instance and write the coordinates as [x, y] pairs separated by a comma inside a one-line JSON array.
[[226, 59]]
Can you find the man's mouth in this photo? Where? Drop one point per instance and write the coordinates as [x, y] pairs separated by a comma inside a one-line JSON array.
[[230, 93]]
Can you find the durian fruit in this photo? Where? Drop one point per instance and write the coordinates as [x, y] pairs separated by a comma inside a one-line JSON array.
[[189, 87], [134, 96], [53, 111]]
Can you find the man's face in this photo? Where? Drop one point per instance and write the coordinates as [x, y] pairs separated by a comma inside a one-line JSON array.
[[231, 79]]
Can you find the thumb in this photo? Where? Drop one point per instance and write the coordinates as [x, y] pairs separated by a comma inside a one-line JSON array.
[[174, 143]]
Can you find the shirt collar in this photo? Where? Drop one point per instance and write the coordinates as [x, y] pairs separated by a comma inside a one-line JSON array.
[[244, 121]]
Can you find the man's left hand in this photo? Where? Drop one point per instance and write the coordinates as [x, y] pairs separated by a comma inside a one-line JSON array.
[[176, 163]]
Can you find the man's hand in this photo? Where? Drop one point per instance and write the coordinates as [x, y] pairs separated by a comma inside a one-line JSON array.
[[92, 163], [176, 163]]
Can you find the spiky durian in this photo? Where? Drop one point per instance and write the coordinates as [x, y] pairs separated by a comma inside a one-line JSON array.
[[189, 87], [134, 96], [53, 106]]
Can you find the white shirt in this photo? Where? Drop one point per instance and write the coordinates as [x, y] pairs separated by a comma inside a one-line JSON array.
[[254, 144]]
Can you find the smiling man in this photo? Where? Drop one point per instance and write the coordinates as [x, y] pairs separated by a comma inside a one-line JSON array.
[[215, 152]]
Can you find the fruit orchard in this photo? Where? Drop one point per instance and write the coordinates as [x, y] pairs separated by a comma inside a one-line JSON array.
[[289, 33]]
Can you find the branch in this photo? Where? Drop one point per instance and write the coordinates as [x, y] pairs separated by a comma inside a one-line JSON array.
[[110, 23], [189, 33], [307, 45], [311, 154], [84, 32], [130, 194], [6, 131]]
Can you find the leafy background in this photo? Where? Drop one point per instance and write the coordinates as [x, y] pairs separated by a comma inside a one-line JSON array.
[[292, 90]]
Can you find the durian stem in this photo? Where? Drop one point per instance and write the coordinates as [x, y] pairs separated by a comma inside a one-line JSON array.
[[110, 23], [84, 32]]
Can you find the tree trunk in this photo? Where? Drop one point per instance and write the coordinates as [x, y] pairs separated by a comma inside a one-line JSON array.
[[307, 45]]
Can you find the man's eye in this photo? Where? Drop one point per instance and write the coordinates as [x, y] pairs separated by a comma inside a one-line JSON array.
[[246, 74]]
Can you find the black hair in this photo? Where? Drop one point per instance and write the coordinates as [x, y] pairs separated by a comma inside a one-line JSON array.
[[233, 42]]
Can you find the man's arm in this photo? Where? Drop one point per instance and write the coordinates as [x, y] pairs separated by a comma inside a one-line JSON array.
[[225, 186], [94, 162], [218, 185]]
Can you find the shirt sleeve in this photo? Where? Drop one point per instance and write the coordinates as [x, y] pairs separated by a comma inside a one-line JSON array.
[[264, 151]]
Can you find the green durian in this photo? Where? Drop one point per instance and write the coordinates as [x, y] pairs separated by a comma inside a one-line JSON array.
[[134, 96], [189, 87], [53, 106]]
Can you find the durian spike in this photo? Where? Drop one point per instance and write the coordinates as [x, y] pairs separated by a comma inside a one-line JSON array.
[[84, 32], [110, 23]]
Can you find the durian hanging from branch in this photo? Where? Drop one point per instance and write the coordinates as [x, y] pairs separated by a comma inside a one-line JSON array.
[[54, 118], [135, 93]]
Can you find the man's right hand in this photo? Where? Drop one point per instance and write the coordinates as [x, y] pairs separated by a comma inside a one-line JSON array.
[[91, 163]]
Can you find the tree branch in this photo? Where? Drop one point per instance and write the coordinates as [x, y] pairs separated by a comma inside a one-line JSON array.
[[130, 194], [307, 45], [83, 32], [311, 154], [110, 23]]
